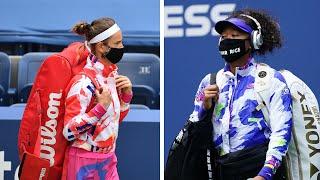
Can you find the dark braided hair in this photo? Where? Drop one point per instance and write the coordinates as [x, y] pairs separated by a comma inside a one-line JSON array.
[[270, 29]]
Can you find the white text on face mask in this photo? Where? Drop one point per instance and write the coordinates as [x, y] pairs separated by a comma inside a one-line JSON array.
[[231, 51]]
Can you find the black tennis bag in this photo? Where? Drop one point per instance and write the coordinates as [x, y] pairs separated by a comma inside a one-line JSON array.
[[191, 154]]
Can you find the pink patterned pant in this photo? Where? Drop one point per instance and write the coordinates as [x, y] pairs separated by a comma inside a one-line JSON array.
[[85, 165]]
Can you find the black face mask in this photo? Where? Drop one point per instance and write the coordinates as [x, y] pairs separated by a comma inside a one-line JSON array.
[[232, 49], [114, 55]]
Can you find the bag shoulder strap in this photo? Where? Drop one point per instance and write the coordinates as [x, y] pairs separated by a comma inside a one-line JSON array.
[[262, 86], [93, 79], [219, 78], [213, 78], [294, 94], [95, 84]]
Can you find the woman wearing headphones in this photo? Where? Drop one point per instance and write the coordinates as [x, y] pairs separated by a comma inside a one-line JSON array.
[[97, 101], [247, 145]]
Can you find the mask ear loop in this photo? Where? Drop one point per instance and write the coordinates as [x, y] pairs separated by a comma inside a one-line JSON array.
[[220, 39], [108, 50]]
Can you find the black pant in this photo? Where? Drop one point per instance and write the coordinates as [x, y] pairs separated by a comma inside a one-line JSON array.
[[244, 164]]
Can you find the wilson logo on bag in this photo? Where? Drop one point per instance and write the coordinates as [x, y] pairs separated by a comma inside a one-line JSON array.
[[48, 131]]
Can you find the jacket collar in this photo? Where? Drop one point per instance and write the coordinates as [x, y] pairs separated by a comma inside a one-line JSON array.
[[243, 70]]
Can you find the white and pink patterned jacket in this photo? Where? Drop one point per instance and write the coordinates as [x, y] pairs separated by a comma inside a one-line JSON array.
[[88, 124]]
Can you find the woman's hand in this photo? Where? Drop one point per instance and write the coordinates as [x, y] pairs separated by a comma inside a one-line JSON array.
[[103, 96], [210, 92], [124, 84]]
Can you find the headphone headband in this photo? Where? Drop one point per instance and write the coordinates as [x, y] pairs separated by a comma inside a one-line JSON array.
[[254, 20]]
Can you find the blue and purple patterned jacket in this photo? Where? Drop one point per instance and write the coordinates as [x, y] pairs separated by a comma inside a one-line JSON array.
[[239, 125]]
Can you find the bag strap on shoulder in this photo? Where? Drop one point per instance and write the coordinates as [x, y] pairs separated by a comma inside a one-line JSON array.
[[213, 78], [93, 79], [262, 85]]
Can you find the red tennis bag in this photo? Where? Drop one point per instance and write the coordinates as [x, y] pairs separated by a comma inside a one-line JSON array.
[[41, 143]]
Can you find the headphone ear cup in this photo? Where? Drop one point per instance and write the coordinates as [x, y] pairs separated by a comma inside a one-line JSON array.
[[259, 40], [254, 39]]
